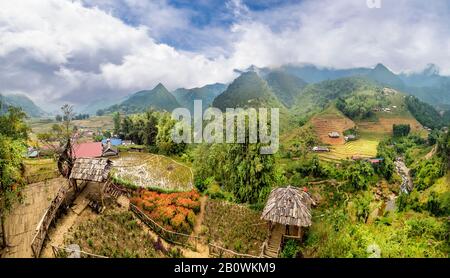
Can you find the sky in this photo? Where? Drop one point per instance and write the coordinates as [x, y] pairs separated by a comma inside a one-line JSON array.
[[76, 51]]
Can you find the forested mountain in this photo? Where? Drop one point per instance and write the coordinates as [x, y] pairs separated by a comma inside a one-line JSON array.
[[248, 90], [22, 101], [159, 98], [206, 94], [285, 86], [428, 85]]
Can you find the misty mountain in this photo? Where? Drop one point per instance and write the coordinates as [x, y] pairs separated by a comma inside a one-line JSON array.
[[207, 94], [248, 90], [159, 98], [285, 86], [22, 101]]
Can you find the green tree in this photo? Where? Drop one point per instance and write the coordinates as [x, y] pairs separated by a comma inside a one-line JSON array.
[[13, 135], [164, 140], [359, 175], [116, 120]]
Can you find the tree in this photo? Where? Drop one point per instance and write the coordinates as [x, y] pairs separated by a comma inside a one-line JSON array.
[[359, 175], [116, 120], [13, 135], [401, 130], [164, 140], [58, 118]]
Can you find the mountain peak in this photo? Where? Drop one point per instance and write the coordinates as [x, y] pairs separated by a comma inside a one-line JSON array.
[[382, 67], [159, 87], [430, 70]]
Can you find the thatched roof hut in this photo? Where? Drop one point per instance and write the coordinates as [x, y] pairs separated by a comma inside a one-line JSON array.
[[289, 206], [91, 169]]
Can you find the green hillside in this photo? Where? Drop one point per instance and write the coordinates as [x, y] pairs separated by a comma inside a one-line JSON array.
[[158, 98], [248, 90], [206, 94], [285, 86], [22, 101]]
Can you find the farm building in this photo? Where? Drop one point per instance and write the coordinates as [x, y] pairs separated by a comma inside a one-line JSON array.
[[350, 137], [114, 141], [127, 143], [375, 160], [320, 149], [334, 134], [88, 150], [288, 211], [109, 149]]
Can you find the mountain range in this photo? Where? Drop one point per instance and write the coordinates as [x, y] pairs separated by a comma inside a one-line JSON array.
[[22, 101]]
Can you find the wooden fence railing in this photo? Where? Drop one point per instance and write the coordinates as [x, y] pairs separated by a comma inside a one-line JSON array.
[[185, 239], [170, 236], [42, 228], [63, 252]]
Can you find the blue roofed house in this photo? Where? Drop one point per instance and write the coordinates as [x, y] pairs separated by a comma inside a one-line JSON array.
[[114, 142]]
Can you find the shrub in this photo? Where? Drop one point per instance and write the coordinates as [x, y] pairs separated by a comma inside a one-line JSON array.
[[291, 249]]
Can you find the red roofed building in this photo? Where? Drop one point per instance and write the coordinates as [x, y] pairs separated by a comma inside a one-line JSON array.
[[88, 150]]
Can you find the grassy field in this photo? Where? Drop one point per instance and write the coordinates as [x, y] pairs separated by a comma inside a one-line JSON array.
[[238, 227], [93, 123], [114, 234], [151, 170], [37, 170]]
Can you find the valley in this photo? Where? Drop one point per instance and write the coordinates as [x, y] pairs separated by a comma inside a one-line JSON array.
[[370, 178]]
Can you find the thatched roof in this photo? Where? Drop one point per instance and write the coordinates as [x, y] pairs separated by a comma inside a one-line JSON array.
[[288, 206], [91, 169]]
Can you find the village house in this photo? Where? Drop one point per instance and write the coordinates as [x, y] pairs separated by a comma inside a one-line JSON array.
[[320, 149], [334, 134], [109, 149], [350, 137]]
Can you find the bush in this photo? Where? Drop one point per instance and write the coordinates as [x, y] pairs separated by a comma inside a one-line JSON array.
[[291, 249]]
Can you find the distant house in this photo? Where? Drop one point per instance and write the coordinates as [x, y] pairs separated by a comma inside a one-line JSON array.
[[127, 143], [334, 134], [109, 149], [320, 149], [88, 150], [356, 157], [350, 137], [114, 141], [32, 153], [375, 160]]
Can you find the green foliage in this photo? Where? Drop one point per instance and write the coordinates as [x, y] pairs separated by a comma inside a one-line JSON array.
[[362, 206], [359, 175], [427, 171], [424, 113], [164, 140], [239, 168], [359, 106], [401, 130], [386, 168], [116, 121], [291, 249], [409, 201]]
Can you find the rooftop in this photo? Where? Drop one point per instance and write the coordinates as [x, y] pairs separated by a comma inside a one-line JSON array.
[[288, 206]]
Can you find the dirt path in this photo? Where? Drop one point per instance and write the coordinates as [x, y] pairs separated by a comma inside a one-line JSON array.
[[201, 216], [21, 223], [56, 234]]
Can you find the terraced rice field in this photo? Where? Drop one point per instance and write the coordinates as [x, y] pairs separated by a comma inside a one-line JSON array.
[[360, 148], [151, 170], [384, 124], [329, 121]]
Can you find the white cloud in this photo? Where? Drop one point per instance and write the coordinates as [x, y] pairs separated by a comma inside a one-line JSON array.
[[57, 50]]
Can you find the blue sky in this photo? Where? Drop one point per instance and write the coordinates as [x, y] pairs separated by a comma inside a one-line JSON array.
[[58, 51]]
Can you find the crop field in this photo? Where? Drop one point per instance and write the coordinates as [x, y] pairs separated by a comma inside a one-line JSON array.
[[364, 147], [384, 124], [151, 170], [328, 121], [174, 211], [114, 234], [37, 170], [93, 123], [239, 227]]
